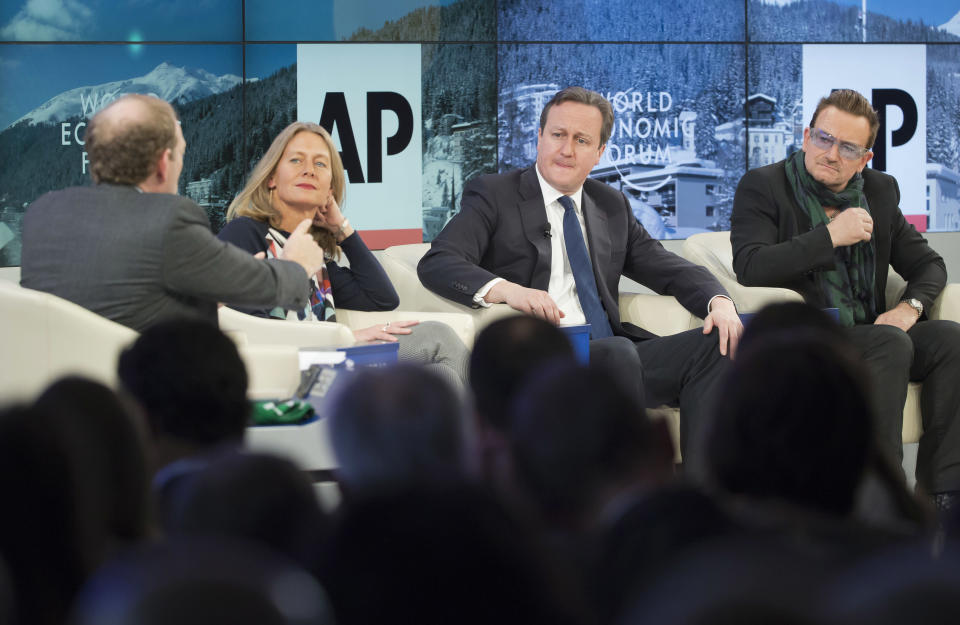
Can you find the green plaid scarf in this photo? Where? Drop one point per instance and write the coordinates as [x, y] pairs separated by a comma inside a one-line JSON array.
[[849, 286]]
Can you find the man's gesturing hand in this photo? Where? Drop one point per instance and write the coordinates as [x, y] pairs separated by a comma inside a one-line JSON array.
[[530, 301], [303, 250]]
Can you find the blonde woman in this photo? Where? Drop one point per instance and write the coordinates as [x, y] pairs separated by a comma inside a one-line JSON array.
[[301, 177]]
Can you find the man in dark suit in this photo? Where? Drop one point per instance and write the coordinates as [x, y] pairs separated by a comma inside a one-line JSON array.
[[131, 249], [821, 224], [519, 239]]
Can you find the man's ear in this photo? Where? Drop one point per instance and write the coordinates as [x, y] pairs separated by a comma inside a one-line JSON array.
[[163, 165]]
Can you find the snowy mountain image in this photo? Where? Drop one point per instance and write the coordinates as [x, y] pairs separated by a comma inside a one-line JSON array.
[[177, 85], [953, 26]]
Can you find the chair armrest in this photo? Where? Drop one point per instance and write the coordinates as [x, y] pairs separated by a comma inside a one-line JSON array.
[[660, 314], [460, 322], [947, 304], [749, 299], [273, 371], [259, 331]]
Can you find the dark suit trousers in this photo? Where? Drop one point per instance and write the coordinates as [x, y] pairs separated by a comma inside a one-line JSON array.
[[683, 369], [928, 353]]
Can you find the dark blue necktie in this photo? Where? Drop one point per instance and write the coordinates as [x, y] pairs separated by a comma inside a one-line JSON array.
[[583, 272]]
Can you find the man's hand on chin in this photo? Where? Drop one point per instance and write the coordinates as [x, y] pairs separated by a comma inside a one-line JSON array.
[[529, 301], [723, 316], [902, 316]]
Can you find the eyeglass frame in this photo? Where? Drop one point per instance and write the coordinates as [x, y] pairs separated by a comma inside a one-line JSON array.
[[819, 137]]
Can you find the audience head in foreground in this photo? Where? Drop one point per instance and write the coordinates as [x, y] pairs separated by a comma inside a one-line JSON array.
[[191, 383], [394, 428], [795, 423], [578, 440]]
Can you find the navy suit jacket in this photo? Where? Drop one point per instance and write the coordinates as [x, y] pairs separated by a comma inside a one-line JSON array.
[[501, 228]]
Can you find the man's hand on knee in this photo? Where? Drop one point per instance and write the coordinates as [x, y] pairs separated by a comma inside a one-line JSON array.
[[723, 316], [530, 301]]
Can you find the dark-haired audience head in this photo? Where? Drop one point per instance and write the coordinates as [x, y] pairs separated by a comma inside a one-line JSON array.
[[505, 355], [41, 527], [396, 427], [578, 439], [191, 383], [105, 443], [73, 474], [791, 317], [794, 423], [202, 581], [437, 557], [261, 498]]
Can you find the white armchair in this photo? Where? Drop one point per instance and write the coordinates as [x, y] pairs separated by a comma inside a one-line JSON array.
[[713, 251], [45, 338]]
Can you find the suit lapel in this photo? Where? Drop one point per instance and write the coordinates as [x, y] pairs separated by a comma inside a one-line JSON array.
[[533, 218]]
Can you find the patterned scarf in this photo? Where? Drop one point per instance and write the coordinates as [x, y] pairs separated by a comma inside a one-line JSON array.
[[321, 305], [849, 286]]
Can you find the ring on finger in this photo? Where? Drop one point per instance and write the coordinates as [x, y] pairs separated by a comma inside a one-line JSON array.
[[385, 326]]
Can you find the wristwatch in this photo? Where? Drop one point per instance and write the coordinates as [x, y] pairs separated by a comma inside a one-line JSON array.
[[915, 304]]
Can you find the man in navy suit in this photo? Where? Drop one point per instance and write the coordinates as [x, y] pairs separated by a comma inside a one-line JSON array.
[[509, 244]]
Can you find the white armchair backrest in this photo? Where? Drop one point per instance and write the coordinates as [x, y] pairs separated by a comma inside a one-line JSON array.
[[45, 337], [713, 251]]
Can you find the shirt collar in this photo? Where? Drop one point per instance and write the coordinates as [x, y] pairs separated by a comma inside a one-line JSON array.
[[551, 195]]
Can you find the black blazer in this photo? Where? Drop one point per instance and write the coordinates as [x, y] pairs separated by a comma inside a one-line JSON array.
[[500, 232], [773, 244]]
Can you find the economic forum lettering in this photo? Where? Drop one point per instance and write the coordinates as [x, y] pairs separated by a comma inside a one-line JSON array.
[[89, 105], [635, 131]]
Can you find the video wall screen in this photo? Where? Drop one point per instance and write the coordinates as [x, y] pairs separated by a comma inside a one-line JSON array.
[[421, 96]]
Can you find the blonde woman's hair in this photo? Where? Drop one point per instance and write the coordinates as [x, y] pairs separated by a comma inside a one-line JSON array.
[[254, 200]]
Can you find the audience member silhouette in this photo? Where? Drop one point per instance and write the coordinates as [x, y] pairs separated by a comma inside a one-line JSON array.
[[208, 581], [106, 445], [583, 450], [73, 477], [506, 354], [792, 442], [397, 427], [262, 498], [882, 497], [191, 384], [579, 440], [438, 557], [41, 529]]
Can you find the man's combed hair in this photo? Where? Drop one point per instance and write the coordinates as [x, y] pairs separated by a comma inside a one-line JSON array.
[[850, 101], [583, 96], [125, 150]]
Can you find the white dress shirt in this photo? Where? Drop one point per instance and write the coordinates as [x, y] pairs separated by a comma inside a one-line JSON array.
[[562, 288]]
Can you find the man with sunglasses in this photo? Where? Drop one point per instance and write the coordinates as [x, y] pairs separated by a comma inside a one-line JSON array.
[[823, 224]]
